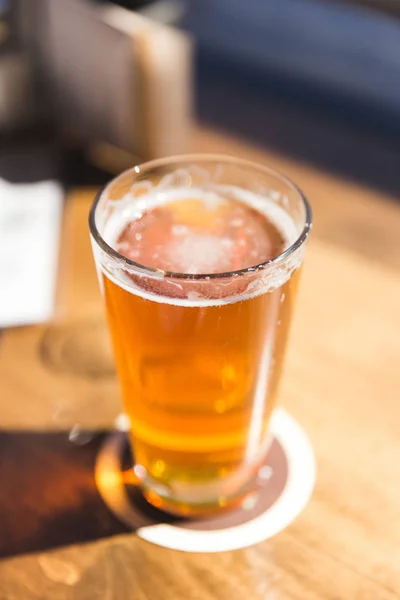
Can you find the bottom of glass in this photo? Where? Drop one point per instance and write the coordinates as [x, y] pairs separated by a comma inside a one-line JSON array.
[[203, 499], [183, 508]]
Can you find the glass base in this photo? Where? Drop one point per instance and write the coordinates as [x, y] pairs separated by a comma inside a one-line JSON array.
[[182, 507], [185, 496]]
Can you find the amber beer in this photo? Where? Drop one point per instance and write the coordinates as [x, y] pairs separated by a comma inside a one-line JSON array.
[[199, 279]]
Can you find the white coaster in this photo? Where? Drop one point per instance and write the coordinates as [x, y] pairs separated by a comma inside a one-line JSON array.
[[285, 485]]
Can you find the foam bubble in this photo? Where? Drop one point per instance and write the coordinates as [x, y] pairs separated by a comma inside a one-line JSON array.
[[180, 230], [199, 253]]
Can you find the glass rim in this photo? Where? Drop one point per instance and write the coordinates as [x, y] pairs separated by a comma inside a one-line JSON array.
[[202, 157]]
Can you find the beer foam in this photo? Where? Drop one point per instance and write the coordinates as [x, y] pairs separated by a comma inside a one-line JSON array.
[[194, 299], [199, 254], [131, 209], [207, 247]]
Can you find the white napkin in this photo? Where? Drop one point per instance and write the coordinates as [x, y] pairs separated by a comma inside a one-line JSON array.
[[30, 218]]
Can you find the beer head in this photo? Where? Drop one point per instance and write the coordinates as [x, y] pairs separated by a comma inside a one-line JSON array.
[[194, 233]]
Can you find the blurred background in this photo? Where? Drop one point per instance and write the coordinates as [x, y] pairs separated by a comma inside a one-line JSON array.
[[86, 85]]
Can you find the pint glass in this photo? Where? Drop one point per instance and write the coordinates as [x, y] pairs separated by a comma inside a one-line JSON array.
[[199, 259]]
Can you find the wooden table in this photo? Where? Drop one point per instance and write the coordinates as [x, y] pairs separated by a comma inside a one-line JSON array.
[[342, 383]]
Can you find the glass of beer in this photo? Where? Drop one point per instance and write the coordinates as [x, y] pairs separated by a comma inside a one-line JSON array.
[[199, 259]]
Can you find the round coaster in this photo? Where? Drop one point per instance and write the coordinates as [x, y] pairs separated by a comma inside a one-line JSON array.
[[284, 486]]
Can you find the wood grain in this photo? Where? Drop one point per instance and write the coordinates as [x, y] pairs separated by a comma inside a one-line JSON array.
[[341, 382]]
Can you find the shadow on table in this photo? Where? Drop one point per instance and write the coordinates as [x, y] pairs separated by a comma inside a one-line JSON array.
[[48, 494]]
